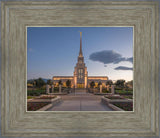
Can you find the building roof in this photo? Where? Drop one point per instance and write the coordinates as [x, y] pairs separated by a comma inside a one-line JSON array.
[[62, 76], [97, 77]]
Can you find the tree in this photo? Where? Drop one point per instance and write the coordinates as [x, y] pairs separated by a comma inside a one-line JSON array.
[[30, 82], [129, 84], [109, 82], [49, 82], [60, 82], [99, 83], [68, 83], [92, 84], [40, 82], [120, 83]]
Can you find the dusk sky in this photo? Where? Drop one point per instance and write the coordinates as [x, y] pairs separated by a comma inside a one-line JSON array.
[[53, 51]]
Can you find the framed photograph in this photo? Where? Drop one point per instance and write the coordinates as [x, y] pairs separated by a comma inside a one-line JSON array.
[[59, 85], [80, 69]]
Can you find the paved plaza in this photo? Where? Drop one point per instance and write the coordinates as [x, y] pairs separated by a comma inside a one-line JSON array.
[[80, 101]]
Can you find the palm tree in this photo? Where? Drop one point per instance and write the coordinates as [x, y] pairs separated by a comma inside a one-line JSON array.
[[68, 83], [49, 82], [120, 83], [109, 82], [92, 84], [40, 82], [60, 82], [99, 83]]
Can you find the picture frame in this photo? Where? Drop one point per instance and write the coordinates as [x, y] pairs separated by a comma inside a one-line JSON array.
[[143, 121]]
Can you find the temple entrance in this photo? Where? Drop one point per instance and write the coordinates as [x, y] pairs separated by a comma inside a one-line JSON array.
[[79, 85]]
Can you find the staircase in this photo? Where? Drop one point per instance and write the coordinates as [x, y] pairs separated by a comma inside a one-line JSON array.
[[81, 90]]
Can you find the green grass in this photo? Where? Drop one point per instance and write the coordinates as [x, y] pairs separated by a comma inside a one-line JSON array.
[[35, 92], [128, 96], [30, 97], [124, 92]]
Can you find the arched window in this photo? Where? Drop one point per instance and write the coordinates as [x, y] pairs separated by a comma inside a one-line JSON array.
[[80, 73]]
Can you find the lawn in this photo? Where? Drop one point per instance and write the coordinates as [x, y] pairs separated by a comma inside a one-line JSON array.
[[128, 96], [124, 92], [30, 97], [36, 92]]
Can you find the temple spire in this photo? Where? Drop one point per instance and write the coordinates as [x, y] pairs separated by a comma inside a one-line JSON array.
[[80, 51]]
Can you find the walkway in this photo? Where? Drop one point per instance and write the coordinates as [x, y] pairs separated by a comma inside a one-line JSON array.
[[80, 101]]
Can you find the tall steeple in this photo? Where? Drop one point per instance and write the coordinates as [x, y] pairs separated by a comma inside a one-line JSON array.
[[80, 51], [80, 70]]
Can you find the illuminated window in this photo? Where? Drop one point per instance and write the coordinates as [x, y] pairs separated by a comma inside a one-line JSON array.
[[80, 73], [81, 70]]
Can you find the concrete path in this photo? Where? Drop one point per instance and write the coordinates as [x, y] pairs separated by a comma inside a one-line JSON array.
[[80, 101]]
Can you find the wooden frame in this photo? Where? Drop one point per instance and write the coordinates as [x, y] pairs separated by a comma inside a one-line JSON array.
[[17, 122]]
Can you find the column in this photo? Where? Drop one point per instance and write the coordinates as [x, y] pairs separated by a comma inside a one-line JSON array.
[[47, 89], [60, 88], [101, 88], [112, 89], [52, 88]]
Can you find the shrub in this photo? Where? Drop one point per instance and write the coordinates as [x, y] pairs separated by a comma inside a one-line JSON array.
[[123, 92], [105, 91], [118, 88], [56, 89], [35, 92]]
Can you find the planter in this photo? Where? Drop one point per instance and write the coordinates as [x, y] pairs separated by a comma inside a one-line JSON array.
[[115, 107], [53, 103], [49, 102], [110, 102]]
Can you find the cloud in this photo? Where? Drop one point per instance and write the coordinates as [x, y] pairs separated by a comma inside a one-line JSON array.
[[123, 68], [130, 59], [108, 56]]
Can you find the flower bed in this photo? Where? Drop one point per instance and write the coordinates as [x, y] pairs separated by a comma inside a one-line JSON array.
[[113, 97], [35, 106], [47, 97], [128, 96], [124, 106]]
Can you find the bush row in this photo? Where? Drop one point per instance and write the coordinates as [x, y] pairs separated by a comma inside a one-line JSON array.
[[35, 92]]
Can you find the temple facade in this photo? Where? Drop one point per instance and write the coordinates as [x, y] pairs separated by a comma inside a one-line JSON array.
[[80, 78]]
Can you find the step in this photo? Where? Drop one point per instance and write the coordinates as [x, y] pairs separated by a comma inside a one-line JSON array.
[[80, 90]]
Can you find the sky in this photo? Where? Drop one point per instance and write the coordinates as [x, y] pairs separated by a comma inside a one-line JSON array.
[[53, 51]]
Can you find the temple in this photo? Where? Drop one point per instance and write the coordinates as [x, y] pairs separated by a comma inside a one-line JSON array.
[[80, 78]]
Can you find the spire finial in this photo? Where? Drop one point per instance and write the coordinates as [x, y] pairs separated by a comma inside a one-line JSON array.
[[80, 52], [80, 33]]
